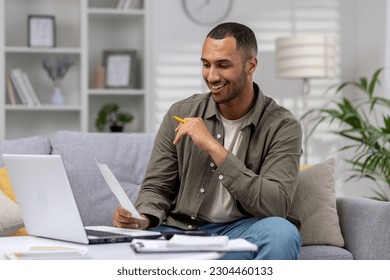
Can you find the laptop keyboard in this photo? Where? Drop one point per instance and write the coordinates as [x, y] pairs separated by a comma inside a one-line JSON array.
[[98, 233]]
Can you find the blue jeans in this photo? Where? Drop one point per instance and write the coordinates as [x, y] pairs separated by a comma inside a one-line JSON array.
[[276, 238]]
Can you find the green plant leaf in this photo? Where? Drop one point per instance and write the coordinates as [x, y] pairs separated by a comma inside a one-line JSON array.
[[374, 81], [363, 84]]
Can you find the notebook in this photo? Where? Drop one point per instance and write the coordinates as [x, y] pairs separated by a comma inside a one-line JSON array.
[[48, 206]]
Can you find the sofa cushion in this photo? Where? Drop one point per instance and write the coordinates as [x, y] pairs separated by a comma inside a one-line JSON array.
[[10, 217], [366, 228], [314, 204], [324, 252], [6, 188], [125, 154], [29, 145], [5, 184]]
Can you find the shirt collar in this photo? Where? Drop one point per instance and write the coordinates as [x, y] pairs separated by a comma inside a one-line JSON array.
[[212, 108]]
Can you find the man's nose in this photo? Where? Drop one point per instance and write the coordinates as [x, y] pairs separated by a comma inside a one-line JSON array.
[[213, 75]]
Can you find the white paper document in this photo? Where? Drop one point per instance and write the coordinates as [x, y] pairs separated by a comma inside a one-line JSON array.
[[117, 189], [193, 244]]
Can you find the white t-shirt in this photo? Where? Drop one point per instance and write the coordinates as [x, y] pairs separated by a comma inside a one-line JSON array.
[[219, 206]]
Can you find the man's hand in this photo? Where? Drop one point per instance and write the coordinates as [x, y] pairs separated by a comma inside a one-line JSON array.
[[202, 138], [123, 219]]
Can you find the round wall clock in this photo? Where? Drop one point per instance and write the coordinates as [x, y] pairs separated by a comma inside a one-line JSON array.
[[207, 12]]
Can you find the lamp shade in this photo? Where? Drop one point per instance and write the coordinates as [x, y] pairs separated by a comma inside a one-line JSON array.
[[306, 57]]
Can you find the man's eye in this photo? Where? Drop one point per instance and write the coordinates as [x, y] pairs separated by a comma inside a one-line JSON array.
[[206, 65], [224, 65]]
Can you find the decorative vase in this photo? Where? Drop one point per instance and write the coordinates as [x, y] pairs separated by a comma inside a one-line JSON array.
[[57, 98]]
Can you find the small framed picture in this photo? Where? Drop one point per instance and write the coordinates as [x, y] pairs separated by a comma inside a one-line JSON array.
[[120, 68], [41, 31]]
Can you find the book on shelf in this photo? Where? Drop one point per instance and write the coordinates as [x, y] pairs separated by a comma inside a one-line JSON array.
[[23, 88], [13, 98], [31, 90], [128, 4], [16, 79]]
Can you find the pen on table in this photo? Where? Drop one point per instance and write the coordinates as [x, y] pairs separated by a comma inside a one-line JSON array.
[[179, 119]]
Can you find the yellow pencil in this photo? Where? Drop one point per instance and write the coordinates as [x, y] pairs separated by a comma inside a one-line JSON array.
[[179, 119]]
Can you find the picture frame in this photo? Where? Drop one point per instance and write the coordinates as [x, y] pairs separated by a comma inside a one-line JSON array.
[[41, 31], [119, 68]]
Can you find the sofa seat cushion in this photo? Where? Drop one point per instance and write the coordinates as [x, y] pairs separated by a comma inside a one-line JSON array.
[[322, 252], [125, 154]]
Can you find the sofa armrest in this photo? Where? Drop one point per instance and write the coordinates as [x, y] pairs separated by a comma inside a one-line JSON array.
[[365, 225]]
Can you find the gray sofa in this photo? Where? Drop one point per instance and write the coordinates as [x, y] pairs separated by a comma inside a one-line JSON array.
[[364, 223]]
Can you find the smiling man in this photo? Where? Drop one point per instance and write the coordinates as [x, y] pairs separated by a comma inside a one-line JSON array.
[[231, 167]]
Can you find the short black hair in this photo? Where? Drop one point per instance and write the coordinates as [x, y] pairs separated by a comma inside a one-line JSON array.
[[245, 37]]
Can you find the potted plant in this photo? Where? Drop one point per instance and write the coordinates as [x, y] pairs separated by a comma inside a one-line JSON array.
[[110, 115], [366, 124]]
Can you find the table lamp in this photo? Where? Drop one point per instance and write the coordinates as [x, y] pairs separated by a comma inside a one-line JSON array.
[[305, 57]]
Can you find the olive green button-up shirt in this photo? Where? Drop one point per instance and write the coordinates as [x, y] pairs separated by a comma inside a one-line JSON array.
[[261, 178]]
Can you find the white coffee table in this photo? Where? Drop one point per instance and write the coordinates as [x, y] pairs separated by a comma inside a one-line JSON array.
[[113, 251]]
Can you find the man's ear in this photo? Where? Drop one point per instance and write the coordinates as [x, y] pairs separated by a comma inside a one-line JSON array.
[[251, 65]]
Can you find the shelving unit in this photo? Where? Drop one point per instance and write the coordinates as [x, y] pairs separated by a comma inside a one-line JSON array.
[[107, 29], [84, 29]]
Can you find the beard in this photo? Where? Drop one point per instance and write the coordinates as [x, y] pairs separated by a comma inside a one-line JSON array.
[[224, 97]]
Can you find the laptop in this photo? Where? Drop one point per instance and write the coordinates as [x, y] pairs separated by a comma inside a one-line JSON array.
[[48, 206]]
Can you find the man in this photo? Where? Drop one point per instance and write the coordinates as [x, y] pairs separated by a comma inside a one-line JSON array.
[[231, 168]]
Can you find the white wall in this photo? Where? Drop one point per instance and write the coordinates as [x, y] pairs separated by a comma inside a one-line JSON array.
[[365, 45], [174, 34], [363, 39], [370, 35], [387, 50]]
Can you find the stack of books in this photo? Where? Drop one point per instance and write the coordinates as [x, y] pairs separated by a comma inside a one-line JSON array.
[[19, 89]]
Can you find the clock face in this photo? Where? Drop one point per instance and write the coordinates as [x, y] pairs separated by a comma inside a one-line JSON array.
[[206, 12]]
